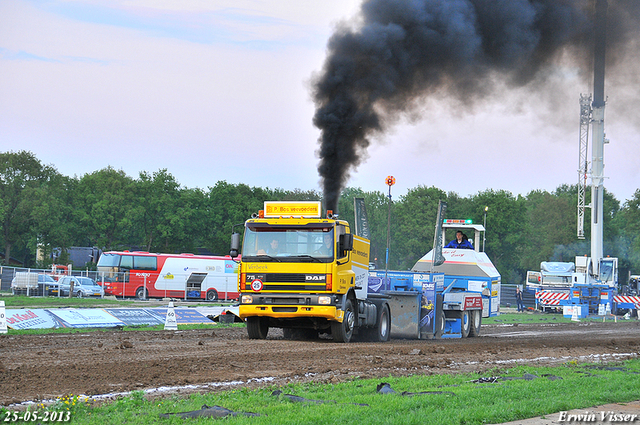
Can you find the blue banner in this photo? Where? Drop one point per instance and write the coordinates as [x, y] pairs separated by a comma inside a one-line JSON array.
[[427, 307], [135, 316], [184, 316]]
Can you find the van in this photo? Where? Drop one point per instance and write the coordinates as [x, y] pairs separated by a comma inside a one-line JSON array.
[[24, 283], [30, 283]]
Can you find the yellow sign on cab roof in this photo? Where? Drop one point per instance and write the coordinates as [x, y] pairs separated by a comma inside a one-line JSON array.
[[292, 209]]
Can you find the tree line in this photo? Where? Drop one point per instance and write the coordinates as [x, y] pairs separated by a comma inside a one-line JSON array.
[[39, 207]]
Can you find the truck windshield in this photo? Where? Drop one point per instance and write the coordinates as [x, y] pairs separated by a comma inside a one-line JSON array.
[[606, 271], [547, 278], [296, 244]]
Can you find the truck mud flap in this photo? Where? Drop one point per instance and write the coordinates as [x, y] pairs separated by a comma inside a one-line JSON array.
[[440, 320]]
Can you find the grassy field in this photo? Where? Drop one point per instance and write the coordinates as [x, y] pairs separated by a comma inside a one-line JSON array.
[[450, 399], [537, 317]]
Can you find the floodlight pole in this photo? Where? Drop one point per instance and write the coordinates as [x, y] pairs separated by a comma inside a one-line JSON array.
[[390, 182]]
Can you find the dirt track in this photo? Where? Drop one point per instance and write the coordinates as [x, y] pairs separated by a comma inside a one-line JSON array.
[[41, 367]]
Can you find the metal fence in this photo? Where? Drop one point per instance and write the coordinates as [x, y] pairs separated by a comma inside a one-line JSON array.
[[7, 274], [507, 291], [508, 296], [178, 285]]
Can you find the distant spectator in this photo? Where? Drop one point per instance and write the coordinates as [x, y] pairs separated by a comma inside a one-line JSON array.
[[519, 300]]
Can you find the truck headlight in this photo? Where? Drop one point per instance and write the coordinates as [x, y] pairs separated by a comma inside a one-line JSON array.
[[324, 300], [247, 299]]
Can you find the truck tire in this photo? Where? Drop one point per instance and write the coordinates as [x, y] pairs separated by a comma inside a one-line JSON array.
[[383, 325], [465, 325], [342, 332], [212, 295], [257, 327], [476, 322], [380, 332]]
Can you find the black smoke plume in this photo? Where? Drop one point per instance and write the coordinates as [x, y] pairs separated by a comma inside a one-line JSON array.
[[397, 53]]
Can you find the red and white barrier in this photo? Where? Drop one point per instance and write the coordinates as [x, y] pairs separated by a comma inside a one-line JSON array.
[[551, 297]]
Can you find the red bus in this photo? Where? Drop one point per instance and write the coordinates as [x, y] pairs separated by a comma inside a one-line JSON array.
[[144, 275]]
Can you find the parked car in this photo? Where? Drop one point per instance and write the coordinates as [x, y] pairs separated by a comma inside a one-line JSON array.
[[47, 285], [82, 287]]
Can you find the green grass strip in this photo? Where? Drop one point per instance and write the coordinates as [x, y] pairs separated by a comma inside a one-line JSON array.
[[581, 386]]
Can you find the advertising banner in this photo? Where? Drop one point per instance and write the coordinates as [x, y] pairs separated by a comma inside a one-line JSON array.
[[134, 316], [361, 220], [427, 307], [86, 318], [184, 316], [21, 318]]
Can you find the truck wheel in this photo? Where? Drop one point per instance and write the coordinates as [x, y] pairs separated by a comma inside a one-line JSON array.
[[383, 325], [212, 295], [476, 322], [465, 318], [257, 327], [287, 333], [342, 332]]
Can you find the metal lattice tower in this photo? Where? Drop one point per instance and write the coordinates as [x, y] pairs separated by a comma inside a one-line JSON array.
[[583, 164]]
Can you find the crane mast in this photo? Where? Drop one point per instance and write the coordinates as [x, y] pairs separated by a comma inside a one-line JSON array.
[[597, 153], [583, 164], [594, 114]]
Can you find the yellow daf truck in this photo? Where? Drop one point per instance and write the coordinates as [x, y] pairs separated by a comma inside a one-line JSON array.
[[306, 274]]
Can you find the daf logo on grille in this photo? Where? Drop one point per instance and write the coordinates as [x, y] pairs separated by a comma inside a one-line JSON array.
[[320, 278]]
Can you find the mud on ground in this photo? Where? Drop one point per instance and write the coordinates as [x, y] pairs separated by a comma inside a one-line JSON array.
[[43, 367]]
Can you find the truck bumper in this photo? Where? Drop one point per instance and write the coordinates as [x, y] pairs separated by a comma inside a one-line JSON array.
[[291, 312]]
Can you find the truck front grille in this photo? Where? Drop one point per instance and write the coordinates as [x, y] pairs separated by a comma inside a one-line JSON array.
[[298, 282], [297, 288], [285, 277]]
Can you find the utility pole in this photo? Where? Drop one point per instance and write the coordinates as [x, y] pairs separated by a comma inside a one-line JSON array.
[[484, 234]]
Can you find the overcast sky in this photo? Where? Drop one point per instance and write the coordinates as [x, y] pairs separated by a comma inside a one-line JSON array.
[[220, 90]]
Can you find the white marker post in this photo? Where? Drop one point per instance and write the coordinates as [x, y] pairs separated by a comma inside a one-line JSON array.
[[574, 316], [3, 319], [170, 323]]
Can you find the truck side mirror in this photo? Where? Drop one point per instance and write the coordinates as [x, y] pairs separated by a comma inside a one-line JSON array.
[[346, 242], [235, 244]]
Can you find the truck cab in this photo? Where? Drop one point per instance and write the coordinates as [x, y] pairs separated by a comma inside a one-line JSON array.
[[304, 273]]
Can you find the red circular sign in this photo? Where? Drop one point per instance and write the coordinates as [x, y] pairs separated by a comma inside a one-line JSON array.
[[391, 180], [256, 285]]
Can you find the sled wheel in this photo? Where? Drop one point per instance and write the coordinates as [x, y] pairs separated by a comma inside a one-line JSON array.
[[476, 322], [466, 323]]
